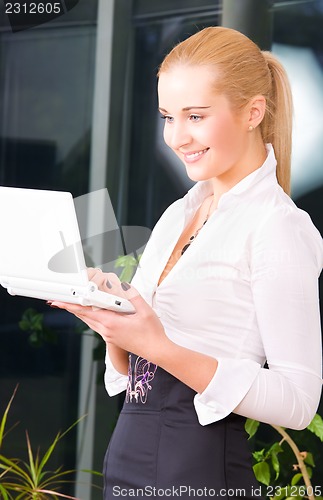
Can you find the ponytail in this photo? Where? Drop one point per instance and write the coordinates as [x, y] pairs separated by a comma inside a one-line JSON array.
[[276, 126]]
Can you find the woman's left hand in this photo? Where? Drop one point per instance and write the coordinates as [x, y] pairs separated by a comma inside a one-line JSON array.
[[141, 333]]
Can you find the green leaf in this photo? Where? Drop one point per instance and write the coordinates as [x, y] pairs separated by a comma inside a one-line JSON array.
[[296, 478], [129, 264], [316, 426], [32, 463], [259, 456], [273, 451], [275, 448], [23, 324], [35, 339], [279, 496], [127, 274], [309, 459], [5, 416], [251, 427], [126, 260], [262, 472], [93, 472], [49, 451], [4, 493], [309, 472], [33, 322], [275, 464]]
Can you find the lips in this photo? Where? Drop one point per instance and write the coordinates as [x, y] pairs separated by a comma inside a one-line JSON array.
[[194, 156]]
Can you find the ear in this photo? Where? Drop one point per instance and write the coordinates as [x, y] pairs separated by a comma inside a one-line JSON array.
[[256, 111]]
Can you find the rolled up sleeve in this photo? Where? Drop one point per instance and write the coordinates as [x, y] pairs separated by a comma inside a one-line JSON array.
[[232, 380], [114, 381]]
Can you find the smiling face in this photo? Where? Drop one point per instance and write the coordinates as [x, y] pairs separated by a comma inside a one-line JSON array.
[[212, 140]]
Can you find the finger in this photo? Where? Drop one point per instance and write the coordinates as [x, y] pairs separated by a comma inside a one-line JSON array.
[[95, 275], [130, 292], [111, 283], [106, 282], [139, 303], [92, 271]]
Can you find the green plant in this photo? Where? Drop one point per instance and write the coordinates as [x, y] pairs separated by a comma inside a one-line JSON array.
[[31, 479], [129, 264], [32, 322], [267, 468]]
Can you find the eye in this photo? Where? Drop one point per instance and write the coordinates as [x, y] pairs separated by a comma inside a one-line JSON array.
[[195, 118], [168, 118]]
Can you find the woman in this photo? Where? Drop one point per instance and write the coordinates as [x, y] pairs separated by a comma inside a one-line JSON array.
[[227, 282]]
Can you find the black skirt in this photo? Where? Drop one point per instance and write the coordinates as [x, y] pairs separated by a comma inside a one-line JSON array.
[[159, 449]]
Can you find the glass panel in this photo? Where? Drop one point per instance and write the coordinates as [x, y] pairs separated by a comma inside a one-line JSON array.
[[46, 95], [301, 51], [46, 104]]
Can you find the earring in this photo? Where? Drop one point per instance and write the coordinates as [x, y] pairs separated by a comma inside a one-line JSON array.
[[250, 128]]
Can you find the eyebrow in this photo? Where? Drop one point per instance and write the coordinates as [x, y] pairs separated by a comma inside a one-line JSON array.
[[188, 108]]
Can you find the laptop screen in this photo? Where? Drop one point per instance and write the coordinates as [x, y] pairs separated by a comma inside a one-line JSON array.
[[40, 236]]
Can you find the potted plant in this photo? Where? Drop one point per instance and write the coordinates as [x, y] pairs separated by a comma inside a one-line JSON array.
[[31, 479]]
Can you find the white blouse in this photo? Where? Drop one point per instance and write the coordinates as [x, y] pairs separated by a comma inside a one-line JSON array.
[[246, 293]]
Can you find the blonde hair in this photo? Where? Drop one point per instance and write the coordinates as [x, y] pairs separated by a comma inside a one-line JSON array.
[[243, 71]]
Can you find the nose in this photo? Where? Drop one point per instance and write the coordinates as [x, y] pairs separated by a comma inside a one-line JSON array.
[[176, 135]]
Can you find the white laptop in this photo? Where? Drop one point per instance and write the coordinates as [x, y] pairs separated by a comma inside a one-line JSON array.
[[41, 253]]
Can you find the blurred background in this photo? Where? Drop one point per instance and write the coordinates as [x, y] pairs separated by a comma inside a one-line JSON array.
[[78, 112]]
